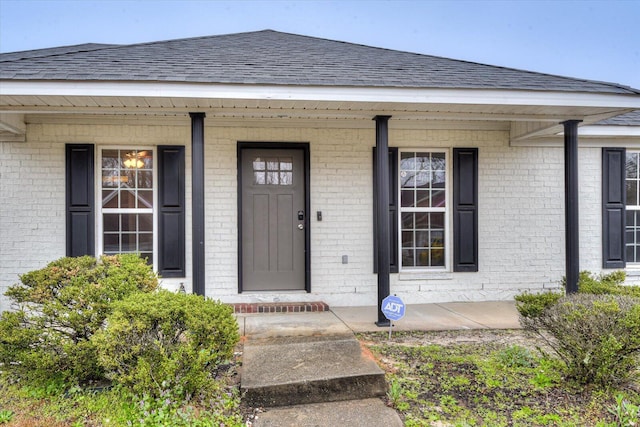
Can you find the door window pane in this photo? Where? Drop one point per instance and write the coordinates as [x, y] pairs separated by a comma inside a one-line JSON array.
[[273, 171]]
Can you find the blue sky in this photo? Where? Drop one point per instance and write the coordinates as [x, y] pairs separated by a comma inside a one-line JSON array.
[[598, 40]]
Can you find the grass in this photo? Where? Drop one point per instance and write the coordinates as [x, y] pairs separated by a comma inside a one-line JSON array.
[[53, 404], [461, 379]]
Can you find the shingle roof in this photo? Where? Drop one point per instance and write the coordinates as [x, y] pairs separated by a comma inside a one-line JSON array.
[[628, 119], [276, 58]]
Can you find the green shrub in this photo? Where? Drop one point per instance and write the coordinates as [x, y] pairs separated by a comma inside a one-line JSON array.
[[57, 310], [597, 336], [605, 284], [533, 305], [164, 339]]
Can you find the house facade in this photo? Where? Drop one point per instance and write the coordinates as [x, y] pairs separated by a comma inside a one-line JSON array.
[[270, 167]]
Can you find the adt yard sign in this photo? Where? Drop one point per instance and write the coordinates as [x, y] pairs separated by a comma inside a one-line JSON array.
[[393, 308]]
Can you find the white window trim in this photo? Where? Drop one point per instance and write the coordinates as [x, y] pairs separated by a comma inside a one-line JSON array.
[[98, 197], [447, 215], [634, 266]]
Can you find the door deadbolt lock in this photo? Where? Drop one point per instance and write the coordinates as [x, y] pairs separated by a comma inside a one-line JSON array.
[[300, 215], [300, 226]]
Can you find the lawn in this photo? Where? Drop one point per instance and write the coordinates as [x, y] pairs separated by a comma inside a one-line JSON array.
[[490, 378], [452, 378]]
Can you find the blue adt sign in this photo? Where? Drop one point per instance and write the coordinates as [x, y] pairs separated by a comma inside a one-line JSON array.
[[393, 308]]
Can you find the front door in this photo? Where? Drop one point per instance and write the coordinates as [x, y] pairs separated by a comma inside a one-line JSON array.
[[273, 219]]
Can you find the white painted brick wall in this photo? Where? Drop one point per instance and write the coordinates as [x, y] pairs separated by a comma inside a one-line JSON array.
[[521, 216]]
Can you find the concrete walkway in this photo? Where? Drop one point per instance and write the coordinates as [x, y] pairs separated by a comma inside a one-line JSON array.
[[307, 369]]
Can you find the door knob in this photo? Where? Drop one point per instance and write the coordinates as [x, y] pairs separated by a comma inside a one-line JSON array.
[[300, 226]]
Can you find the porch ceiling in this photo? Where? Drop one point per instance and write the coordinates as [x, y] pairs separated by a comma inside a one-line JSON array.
[[528, 113], [313, 109]]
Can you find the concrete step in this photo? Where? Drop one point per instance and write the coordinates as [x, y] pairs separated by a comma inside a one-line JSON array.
[[352, 413], [285, 371]]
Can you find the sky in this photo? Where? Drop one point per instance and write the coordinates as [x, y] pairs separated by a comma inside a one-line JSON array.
[[595, 40]]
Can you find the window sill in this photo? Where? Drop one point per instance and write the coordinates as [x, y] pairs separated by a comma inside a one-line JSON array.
[[633, 271], [426, 275]]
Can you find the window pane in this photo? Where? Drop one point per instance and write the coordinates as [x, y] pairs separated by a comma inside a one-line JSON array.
[[110, 198], [110, 159], [145, 243], [145, 199], [407, 257], [286, 178], [272, 164], [423, 179], [407, 239], [286, 164], [423, 198], [127, 199], [111, 243], [272, 178], [111, 222], [145, 179], [129, 242], [129, 222], [422, 258], [438, 199], [422, 220], [145, 222], [437, 220], [631, 254], [258, 164], [422, 239], [632, 190], [407, 221], [406, 197], [407, 179], [632, 165], [437, 239], [259, 178], [437, 258]]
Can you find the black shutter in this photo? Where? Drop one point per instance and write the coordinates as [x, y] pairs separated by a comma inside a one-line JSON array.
[[393, 212], [613, 207], [80, 199], [465, 209], [171, 211]]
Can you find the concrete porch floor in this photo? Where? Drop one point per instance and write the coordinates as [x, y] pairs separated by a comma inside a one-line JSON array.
[[418, 317]]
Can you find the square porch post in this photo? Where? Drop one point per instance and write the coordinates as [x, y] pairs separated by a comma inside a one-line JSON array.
[[197, 200], [382, 211], [572, 218]]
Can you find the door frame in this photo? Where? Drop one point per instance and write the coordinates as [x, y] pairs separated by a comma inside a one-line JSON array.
[[304, 146]]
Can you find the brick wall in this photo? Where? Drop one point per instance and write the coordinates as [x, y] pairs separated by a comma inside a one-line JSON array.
[[521, 218]]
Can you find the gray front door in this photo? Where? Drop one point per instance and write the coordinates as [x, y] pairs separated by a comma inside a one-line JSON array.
[[273, 219]]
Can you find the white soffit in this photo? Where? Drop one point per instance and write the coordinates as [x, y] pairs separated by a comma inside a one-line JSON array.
[[318, 93]]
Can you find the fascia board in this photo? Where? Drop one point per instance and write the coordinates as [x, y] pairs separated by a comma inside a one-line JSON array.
[[319, 93], [610, 131]]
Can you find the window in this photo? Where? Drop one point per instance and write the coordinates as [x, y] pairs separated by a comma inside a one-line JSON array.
[[273, 171], [632, 209], [423, 209], [126, 205]]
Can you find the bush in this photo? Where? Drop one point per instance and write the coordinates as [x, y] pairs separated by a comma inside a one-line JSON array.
[[533, 305], [60, 307], [597, 336], [166, 340], [605, 284]]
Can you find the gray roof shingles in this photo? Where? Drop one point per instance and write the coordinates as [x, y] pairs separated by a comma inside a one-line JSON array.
[[628, 119], [276, 58]]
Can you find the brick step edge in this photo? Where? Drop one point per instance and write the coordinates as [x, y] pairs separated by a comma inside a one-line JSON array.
[[280, 307]]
